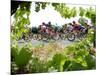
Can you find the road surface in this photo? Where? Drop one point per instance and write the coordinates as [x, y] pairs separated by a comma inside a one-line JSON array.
[[36, 42]]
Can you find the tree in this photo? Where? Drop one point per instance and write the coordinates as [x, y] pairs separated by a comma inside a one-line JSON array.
[[21, 16]]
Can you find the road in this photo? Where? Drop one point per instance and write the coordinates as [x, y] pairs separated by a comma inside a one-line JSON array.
[[36, 42]]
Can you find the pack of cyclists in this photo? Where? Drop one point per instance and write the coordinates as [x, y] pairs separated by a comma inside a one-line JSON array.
[[76, 27], [47, 29], [53, 31]]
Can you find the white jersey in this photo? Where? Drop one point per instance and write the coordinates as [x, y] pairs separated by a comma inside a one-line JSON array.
[[70, 28], [44, 26]]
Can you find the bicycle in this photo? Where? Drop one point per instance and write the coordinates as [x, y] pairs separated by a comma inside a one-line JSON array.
[[71, 36]]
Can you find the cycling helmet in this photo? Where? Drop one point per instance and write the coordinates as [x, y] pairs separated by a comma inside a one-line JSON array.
[[43, 23], [74, 22]]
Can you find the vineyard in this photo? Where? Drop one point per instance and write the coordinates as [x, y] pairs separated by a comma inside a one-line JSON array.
[[51, 57]]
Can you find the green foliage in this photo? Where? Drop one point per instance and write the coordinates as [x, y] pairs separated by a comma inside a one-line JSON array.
[[73, 12], [40, 66], [23, 57], [44, 5], [92, 35], [76, 57], [93, 18], [79, 55], [40, 5], [25, 6], [20, 57], [68, 12], [64, 10], [75, 66], [91, 62], [58, 61], [22, 19], [55, 4], [82, 21], [66, 65], [14, 52], [37, 6], [91, 13], [82, 11]]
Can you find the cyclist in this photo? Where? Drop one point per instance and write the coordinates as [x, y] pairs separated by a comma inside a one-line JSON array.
[[43, 27], [78, 27], [49, 24], [75, 25], [70, 27]]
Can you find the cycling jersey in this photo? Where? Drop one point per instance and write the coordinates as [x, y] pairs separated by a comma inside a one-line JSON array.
[[81, 27], [70, 28]]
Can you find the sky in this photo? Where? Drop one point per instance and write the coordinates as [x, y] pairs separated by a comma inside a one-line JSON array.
[[49, 14]]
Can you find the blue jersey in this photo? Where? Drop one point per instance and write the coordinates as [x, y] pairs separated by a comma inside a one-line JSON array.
[[81, 27]]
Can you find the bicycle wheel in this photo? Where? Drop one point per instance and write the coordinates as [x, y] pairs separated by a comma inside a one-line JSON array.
[[55, 37], [63, 36], [81, 36], [71, 36]]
